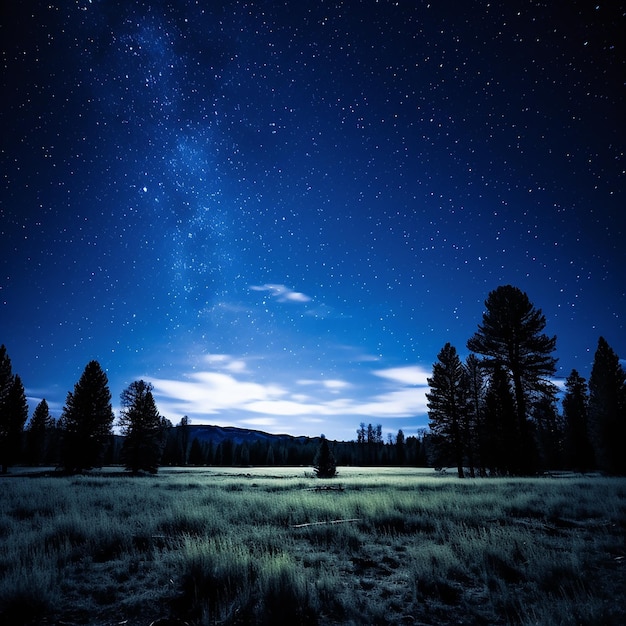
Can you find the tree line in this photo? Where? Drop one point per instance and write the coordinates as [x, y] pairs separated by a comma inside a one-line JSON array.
[[82, 438], [497, 413]]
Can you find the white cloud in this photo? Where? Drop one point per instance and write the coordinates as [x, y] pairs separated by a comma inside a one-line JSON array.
[[206, 393], [282, 293], [203, 395], [225, 362], [409, 375], [333, 385]]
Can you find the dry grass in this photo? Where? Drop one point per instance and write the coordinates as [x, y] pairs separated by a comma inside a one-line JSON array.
[[256, 546]]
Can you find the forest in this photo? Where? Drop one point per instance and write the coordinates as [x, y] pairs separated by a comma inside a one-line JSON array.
[[498, 413]]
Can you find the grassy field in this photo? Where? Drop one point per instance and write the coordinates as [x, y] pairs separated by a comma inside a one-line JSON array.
[[266, 546]]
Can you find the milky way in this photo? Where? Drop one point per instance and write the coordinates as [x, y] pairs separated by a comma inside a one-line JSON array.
[[278, 212]]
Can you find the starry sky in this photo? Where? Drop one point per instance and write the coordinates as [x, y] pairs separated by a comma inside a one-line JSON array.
[[279, 212]]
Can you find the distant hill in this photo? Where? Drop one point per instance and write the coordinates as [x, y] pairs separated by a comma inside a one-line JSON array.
[[217, 434]]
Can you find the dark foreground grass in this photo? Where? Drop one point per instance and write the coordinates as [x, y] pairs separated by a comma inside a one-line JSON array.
[[261, 546]]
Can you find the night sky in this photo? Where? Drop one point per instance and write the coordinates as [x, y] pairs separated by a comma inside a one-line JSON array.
[[279, 212]]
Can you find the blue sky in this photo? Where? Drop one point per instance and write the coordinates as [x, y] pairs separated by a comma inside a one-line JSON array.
[[278, 212]]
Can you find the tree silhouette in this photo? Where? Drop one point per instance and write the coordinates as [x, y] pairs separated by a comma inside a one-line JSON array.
[[38, 433], [607, 409], [324, 464], [400, 451], [578, 450], [13, 415], [476, 385], [447, 404], [500, 447], [142, 427], [86, 420], [511, 336], [6, 382]]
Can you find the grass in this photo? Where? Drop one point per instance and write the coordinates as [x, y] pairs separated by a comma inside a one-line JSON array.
[[259, 546]]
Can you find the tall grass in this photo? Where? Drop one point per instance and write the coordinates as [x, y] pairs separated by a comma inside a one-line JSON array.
[[262, 546]]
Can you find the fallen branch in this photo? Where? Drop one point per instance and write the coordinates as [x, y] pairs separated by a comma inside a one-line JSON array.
[[334, 521], [325, 488]]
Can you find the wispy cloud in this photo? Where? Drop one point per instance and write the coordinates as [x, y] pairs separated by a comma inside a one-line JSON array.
[[409, 375], [282, 293], [332, 385], [226, 362], [226, 393]]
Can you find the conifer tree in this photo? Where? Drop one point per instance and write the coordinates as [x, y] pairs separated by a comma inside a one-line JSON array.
[[324, 464], [578, 449], [86, 420], [511, 336], [501, 442], [607, 409], [447, 404], [6, 381], [142, 427], [6, 373], [38, 433], [474, 422], [13, 412], [400, 448], [13, 415]]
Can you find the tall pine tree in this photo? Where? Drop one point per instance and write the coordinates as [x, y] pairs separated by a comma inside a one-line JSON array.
[[324, 464], [475, 411], [577, 445], [38, 434], [501, 449], [511, 336], [13, 415], [142, 427], [86, 420], [607, 409], [447, 405]]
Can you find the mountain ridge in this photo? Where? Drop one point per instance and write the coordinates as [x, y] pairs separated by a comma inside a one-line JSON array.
[[217, 434]]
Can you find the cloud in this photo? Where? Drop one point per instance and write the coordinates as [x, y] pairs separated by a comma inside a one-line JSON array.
[[409, 375], [225, 362], [205, 395], [282, 293], [333, 385]]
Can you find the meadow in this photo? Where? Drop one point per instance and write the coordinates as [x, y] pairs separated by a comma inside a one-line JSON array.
[[276, 545]]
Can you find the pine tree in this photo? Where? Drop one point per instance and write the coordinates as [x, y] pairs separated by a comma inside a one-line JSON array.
[[6, 373], [183, 429], [511, 335], [142, 427], [607, 409], [38, 433], [578, 450], [86, 420], [400, 448], [324, 464], [476, 384], [501, 442], [6, 381], [13, 415], [447, 405]]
